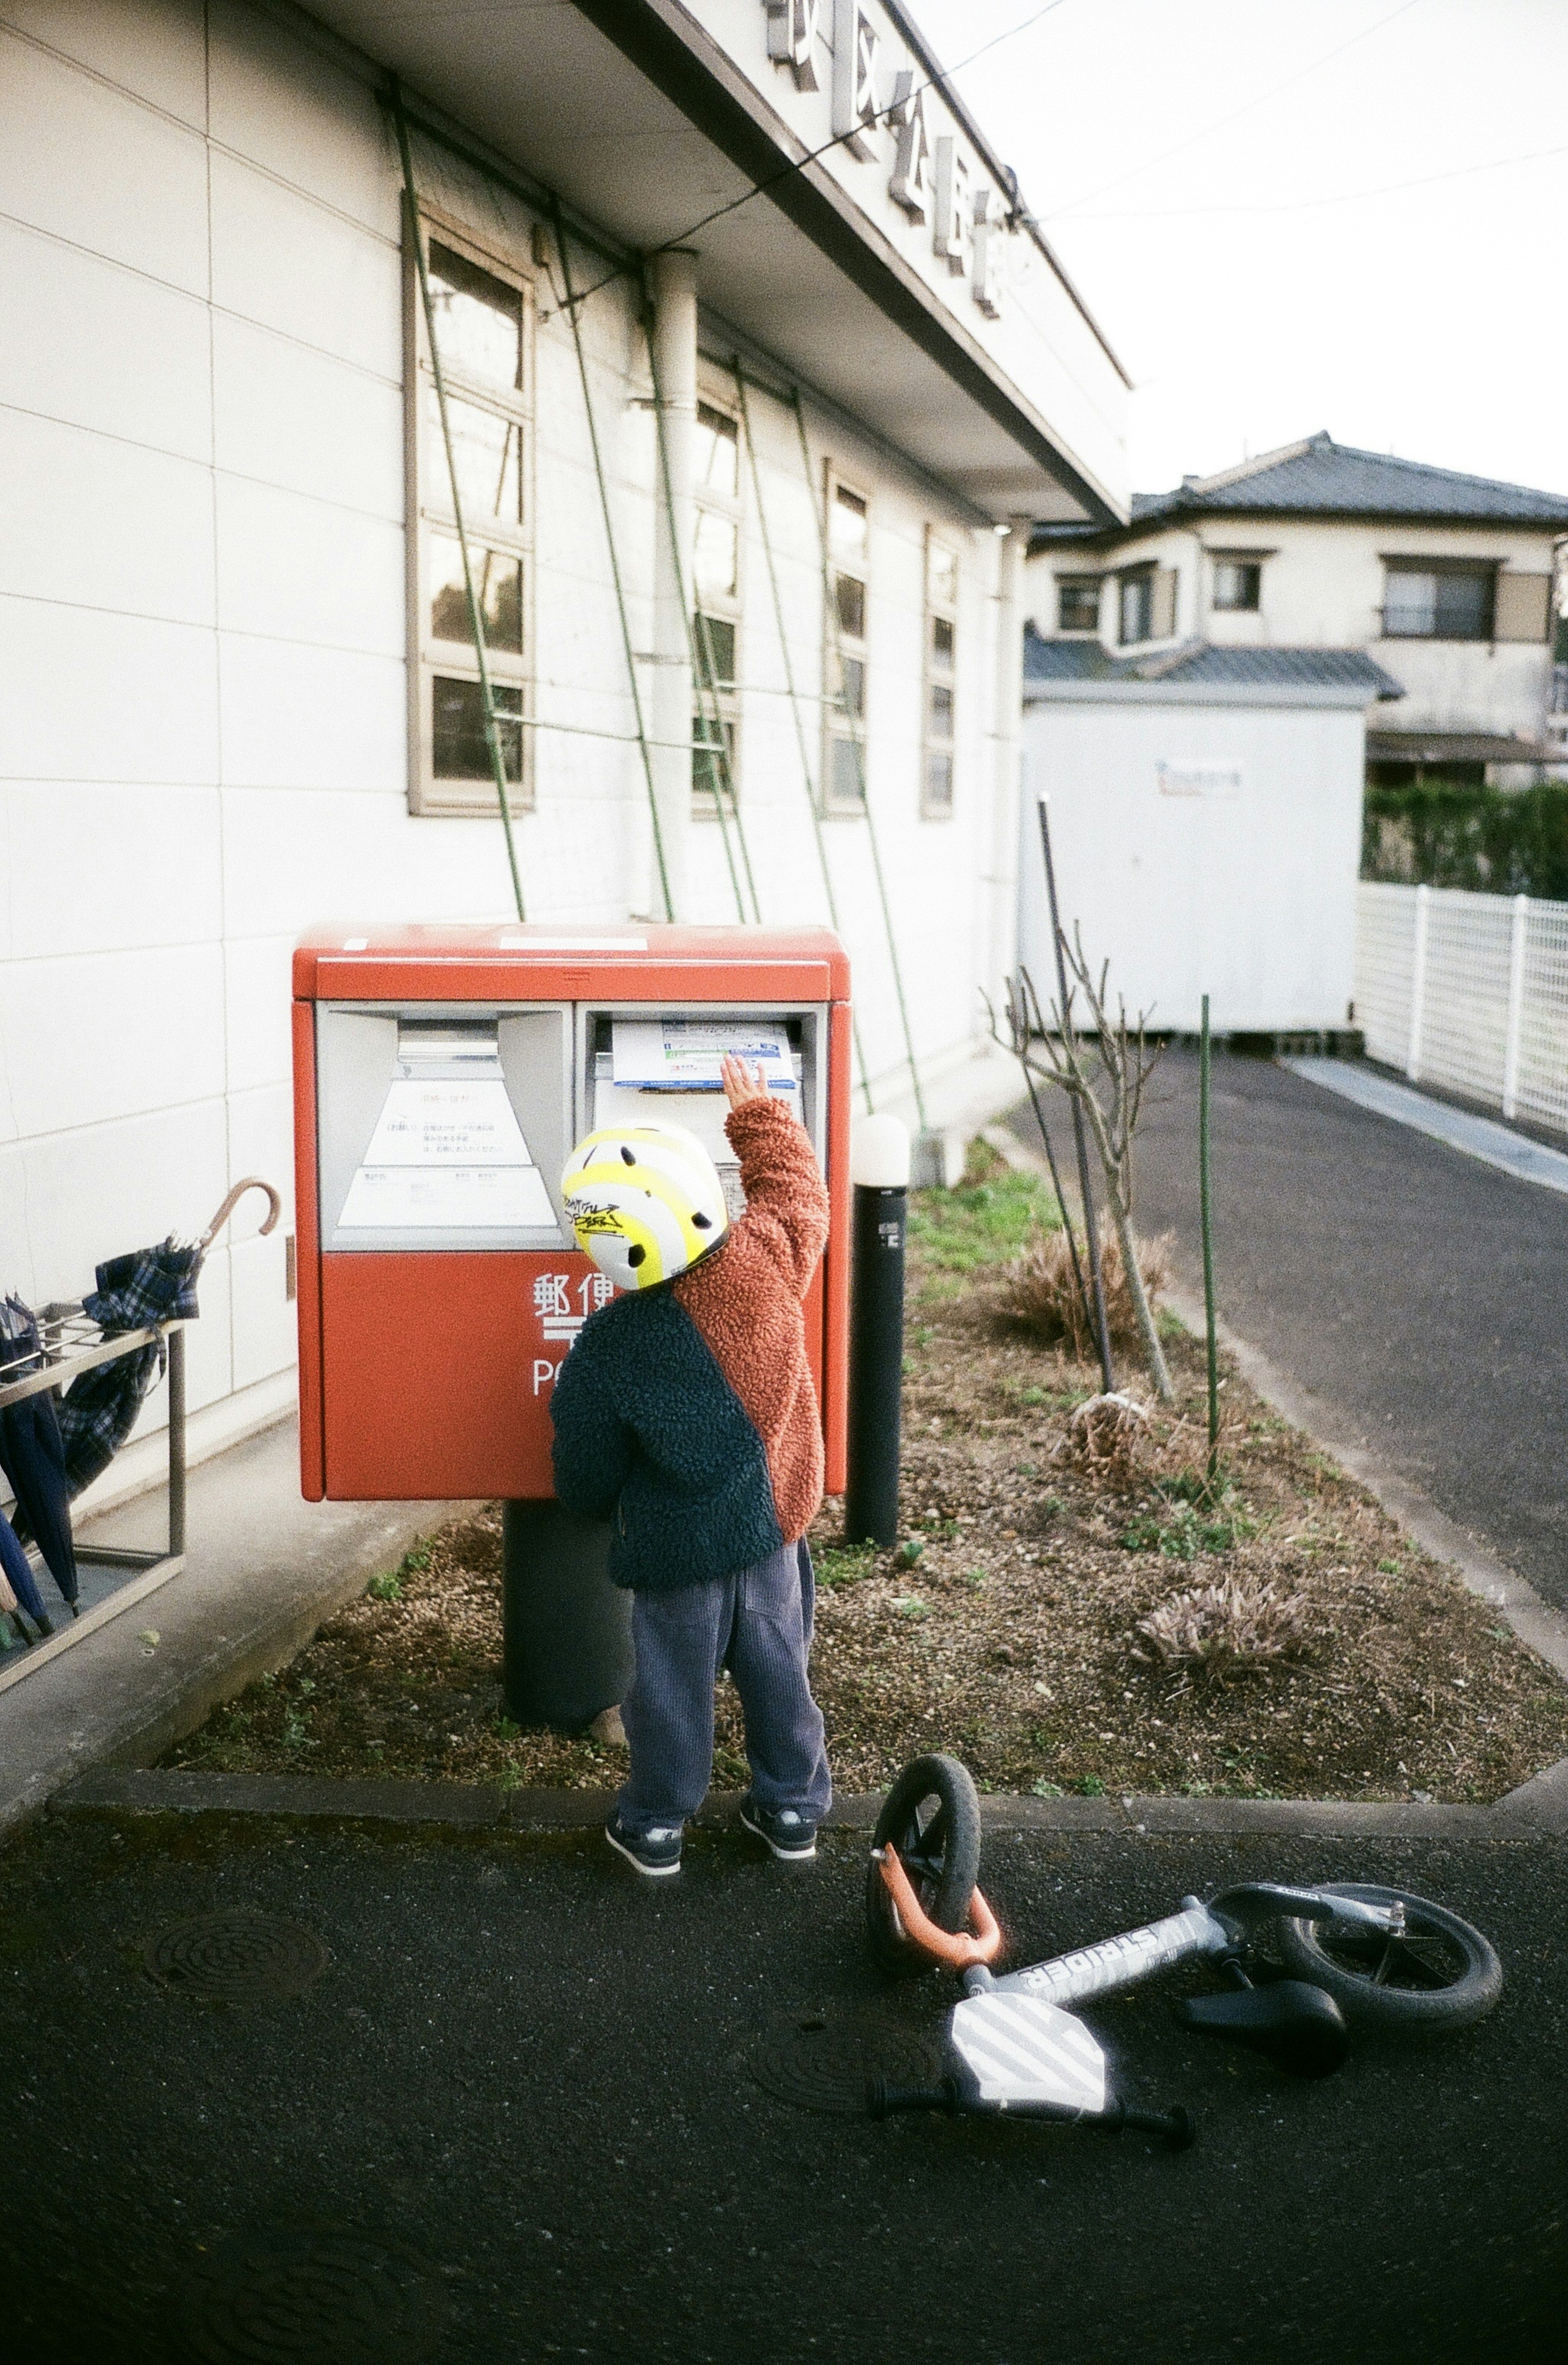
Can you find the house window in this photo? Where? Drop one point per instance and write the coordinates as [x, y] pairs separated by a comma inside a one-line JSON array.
[[941, 677], [483, 320], [1438, 603], [1077, 603], [1137, 612], [1238, 583], [716, 579], [844, 692]]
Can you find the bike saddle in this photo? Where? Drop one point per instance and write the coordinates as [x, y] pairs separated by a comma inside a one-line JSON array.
[[1298, 2026]]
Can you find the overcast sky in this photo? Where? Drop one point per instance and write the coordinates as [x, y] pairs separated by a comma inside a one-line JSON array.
[[1184, 188]]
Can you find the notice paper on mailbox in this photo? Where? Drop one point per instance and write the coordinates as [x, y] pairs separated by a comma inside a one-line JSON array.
[[682, 1055]]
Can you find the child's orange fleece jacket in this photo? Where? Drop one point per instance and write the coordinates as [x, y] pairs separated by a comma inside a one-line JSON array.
[[687, 1413]]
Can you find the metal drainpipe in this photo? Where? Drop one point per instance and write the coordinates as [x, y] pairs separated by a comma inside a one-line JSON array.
[[673, 279], [999, 947]]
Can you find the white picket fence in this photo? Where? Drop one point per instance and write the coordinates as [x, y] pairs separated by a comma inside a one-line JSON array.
[[1468, 992]]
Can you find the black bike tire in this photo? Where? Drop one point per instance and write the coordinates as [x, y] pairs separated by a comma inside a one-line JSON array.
[[942, 1777], [1470, 1998]]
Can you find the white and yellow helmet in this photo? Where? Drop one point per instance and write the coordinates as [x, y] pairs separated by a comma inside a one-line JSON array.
[[645, 1201]]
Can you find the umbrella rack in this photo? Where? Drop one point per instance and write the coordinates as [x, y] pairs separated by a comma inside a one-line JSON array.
[[72, 1342]]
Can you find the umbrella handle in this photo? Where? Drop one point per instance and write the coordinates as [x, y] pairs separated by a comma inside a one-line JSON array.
[[251, 1182]]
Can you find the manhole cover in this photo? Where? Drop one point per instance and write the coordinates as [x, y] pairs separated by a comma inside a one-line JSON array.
[[821, 2061], [338, 2299], [237, 1957]]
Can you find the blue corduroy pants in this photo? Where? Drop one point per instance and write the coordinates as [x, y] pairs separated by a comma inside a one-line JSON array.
[[758, 1624]]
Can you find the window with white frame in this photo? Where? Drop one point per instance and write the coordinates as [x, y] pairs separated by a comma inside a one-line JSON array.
[[941, 677], [1136, 611], [1434, 599], [717, 563], [483, 312], [1238, 583], [848, 555]]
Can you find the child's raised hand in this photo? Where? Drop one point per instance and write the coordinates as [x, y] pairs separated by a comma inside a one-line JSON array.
[[742, 1083]]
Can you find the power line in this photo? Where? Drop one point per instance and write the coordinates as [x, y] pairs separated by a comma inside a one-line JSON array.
[[1346, 198], [760, 189], [1223, 122]]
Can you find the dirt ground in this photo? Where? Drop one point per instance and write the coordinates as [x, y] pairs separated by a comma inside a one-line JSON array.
[[1005, 1627]]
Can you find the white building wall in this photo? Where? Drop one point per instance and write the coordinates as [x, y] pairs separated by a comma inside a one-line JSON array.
[[203, 646], [1243, 890]]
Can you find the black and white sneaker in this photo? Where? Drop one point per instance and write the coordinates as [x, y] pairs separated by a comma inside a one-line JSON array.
[[656, 1852], [789, 1835]]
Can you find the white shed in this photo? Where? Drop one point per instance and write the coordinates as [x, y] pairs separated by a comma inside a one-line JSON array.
[[1205, 819]]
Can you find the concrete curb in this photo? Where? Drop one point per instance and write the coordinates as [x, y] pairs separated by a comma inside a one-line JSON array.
[[116, 1793]]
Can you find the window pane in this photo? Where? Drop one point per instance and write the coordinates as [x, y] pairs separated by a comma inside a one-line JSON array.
[[943, 576], [850, 597], [716, 649], [718, 452], [1237, 582], [488, 453], [1410, 603], [478, 320], [939, 777], [846, 525], [717, 555], [708, 773], [1464, 606], [844, 776], [1138, 606], [497, 582], [851, 698], [941, 640], [459, 748], [939, 711], [1078, 604]]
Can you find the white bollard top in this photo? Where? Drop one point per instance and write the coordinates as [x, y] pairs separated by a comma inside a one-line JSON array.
[[879, 1154]]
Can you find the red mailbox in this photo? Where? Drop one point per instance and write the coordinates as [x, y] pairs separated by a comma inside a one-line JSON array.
[[441, 1078]]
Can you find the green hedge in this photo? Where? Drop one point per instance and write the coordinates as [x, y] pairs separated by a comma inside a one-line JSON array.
[[1439, 833]]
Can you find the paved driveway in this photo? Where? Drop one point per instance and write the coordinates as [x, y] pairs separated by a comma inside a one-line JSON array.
[[516, 2118], [1421, 1296]]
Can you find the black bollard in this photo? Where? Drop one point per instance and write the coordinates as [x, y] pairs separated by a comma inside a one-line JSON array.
[[880, 1167], [565, 1628]]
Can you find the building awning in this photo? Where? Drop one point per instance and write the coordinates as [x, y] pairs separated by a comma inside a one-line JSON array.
[[1440, 747], [633, 116]]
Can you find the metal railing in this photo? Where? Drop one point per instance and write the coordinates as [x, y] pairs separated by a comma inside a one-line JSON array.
[[1470, 993]]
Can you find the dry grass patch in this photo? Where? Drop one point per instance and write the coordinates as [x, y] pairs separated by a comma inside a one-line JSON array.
[[1065, 1620]]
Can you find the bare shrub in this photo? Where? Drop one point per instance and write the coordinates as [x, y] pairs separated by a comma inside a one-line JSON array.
[[1223, 1630], [1106, 1433], [1041, 1292]]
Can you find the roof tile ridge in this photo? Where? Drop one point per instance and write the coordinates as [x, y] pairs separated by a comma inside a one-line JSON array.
[[1321, 442]]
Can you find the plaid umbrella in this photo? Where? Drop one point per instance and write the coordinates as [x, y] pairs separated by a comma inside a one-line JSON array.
[[33, 1459], [98, 1410]]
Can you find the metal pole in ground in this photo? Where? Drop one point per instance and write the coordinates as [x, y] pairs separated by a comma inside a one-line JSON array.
[[1208, 1241], [880, 1171], [1091, 1234]]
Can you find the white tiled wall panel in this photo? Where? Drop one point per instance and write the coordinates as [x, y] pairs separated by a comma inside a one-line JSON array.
[[88, 695], [289, 110], [291, 264], [303, 420], [99, 346], [364, 854], [153, 49], [296, 717], [257, 995], [102, 524], [303, 569], [105, 1035], [97, 868], [263, 1319], [98, 1194], [85, 161]]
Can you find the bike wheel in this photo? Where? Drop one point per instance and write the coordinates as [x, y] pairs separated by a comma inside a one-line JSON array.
[[1441, 1974], [932, 1817]]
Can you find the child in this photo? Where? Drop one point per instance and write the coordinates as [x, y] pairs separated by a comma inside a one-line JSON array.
[[685, 1413]]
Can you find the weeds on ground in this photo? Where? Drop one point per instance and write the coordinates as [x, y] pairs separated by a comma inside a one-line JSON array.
[[1041, 1295]]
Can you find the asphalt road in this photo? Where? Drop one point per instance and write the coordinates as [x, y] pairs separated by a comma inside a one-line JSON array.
[[517, 2118], [1421, 1296]]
